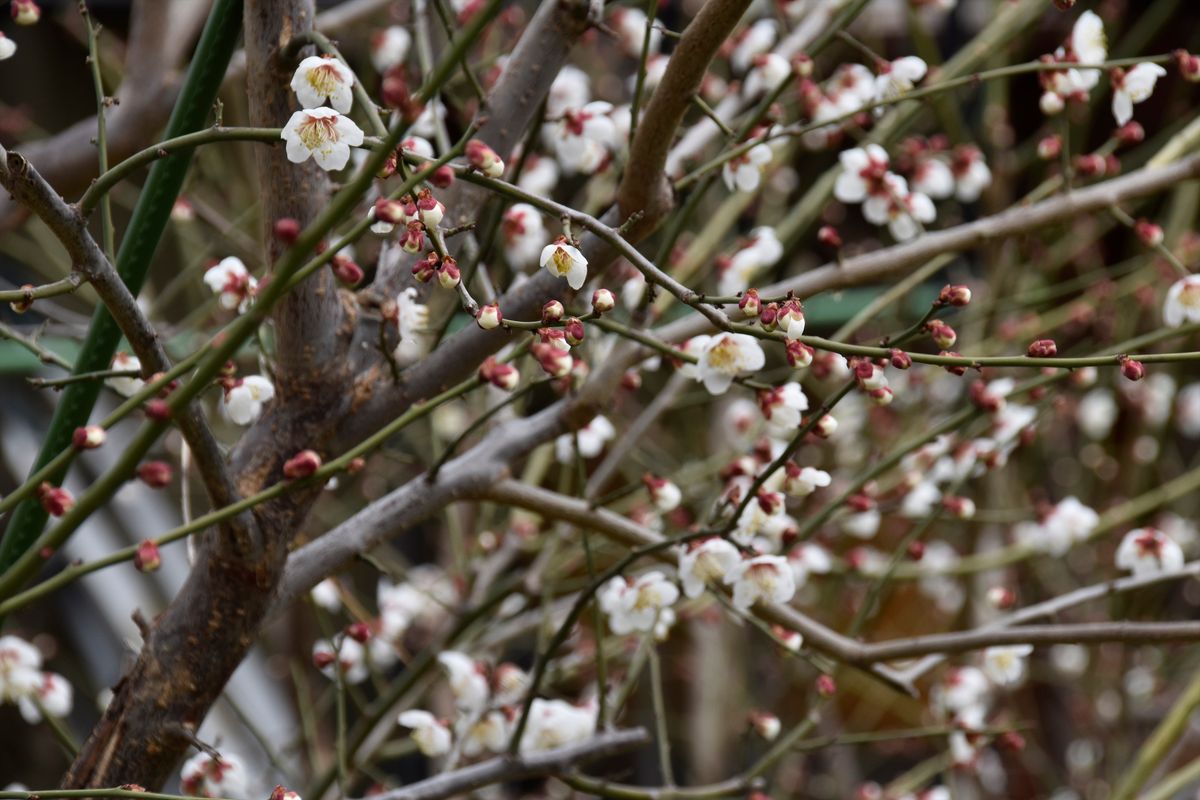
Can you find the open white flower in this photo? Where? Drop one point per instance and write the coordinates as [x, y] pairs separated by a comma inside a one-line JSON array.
[[705, 561], [761, 578], [557, 723], [971, 173], [321, 78], [232, 283], [963, 695], [7, 47], [243, 403], [524, 231], [592, 438], [205, 776], [630, 27], [327, 596], [54, 696], [489, 734], [770, 70], [744, 173], [389, 47], [635, 605], [1005, 666], [899, 76], [323, 135], [753, 41], [1145, 551], [1069, 523], [412, 322], [20, 669], [1183, 302], [863, 170], [342, 653], [468, 680], [123, 362], [783, 408], [763, 250], [1088, 42], [724, 356], [1132, 87], [582, 138], [431, 734], [803, 481], [571, 89], [564, 260]]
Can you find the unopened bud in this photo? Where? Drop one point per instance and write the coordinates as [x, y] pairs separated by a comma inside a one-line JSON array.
[[157, 409], [825, 426], [1133, 370], [954, 295], [552, 312], [1189, 65], [358, 631], [1042, 348], [882, 396], [88, 438], [769, 316], [1001, 597], [26, 12], [826, 685], [489, 317], [942, 334], [799, 355], [447, 273], [1050, 147], [442, 177], [953, 369], [1092, 165], [573, 328], [915, 550], [155, 473], [484, 158], [959, 507], [1150, 234], [750, 304], [899, 359], [829, 236], [603, 301], [56, 500], [1131, 132], [301, 465], [502, 376], [349, 273], [147, 558], [287, 230], [280, 793]]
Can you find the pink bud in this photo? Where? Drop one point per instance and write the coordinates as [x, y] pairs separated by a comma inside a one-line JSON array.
[[556, 363], [322, 659], [280, 793], [552, 312], [391, 211], [55, 499], [769, 316], [916, 550], [799, 355], [1092, 165], [88, 438], [953, 369], [959, 507], [349, 273], [426, 268], [26, 12], [942, 334], [147, 558], [1131, 132], [301, 465], [750, 304], [1001, 597], [447, 273], [1150, 234], [502, 376], [413, 240], [882, 396], [489, 317], [954, 295], [1064, 5], [1189, 65], [1133, 370], [829, 236], [484, 158], [573, 328], [157, 409], [603, 301], [802, 65], [1050, 147], [899, 359], [826, 685], [1042, 348], [155, 473], [286, 230], [26, 302], [358, 631], [356, 465], [825, 426], [442, 177]]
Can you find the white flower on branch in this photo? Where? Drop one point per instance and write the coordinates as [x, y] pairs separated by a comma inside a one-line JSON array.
[[344, 654], [753, 41], [1183, 302], [232, 283], [971, 173], [898, 77], [321, 78], [557, 723], [564, 260], [744, 173], [468, 680], [524, 231], [20, 669], [412, 323], [432, 735], [783, 408], [761, 578], [1005, 665], [635, 605], [1088, 42], [7, 47], [762, 250], [1146, 551], [1067, 524], [323, 135], [722, 358], [202, 775], [705, 561], [243, 402], [488, 734], [1132, 87], [583, 137], [770, 70], [389, 47], [591, 437], [571, 89], [630, 27], [128, 386]]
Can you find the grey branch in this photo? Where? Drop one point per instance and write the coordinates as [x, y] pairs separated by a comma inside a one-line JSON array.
[[504, 768]]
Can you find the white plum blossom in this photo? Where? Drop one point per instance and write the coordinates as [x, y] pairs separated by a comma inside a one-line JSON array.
[[769, 72], [783, 408], [862, 170], [582, 138], [1183, 302], [705, 561], [488, 734], [1096, 413], [557, 723], [243, 402], [809, 558], [563, 259], [1005, 665], [524, 232], [861, 524], [342, 653], [635, 605], [468, 680], [232, 283], [630, 27], [128, 386], [971, 173], [432, 735], [203, 775], [805, 481], [1146, 551], [540, 175], [1132, 87], [8, 47], [754, 41], [321, 78], [899, 76], [1088, 42], [963, 695], [1067, 524], [389, 47], [744, 173], [323, 135], [412, 322], [921, 500], [571, 89], [932, 176], [763, 250], [723, 357], [20, 669], [767, 578], [592, 438]]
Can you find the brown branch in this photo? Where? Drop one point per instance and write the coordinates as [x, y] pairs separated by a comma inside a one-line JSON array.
[[504, 769], [645, 186]]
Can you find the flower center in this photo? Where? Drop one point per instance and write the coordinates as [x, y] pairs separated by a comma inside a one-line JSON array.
[[316, 132], [561, 261], [324, 79], [724, 356]]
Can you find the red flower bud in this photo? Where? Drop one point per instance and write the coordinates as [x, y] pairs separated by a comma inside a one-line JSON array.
[[603, 301], [829, 236], [799, 355], [1050, 147], [287, 230], [1091, 165], [942, 334], [915, 550], [1133, 370], [750, 304], [55, 499], [442, 177], [489, 317], [826, 685], [1131, 132], [573, 328], [157, 409], [954, 295], [1042, 348], [552, 312], [88, 438], [358, 631], [899, 359], [349, 273], [1189, 65], [147, 558], [1150, 234], [301, 465], [155, 473]]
